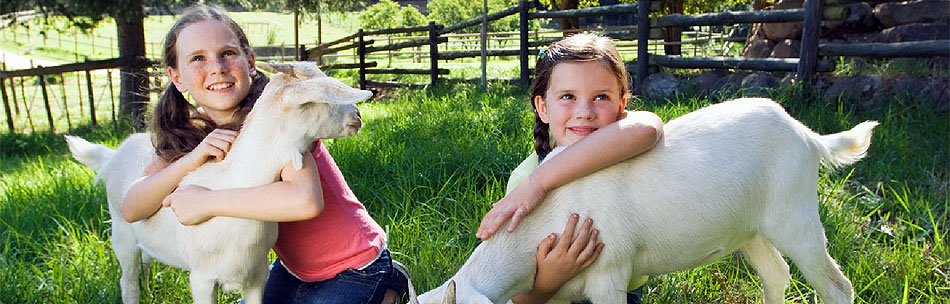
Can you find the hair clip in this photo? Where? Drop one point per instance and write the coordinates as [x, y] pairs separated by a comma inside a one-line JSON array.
[[542, 52]]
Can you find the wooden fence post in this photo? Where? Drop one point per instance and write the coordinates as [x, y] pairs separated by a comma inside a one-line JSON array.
[[643, 43], [433, 53], [16, 106], [808, 60], [302, 50], [6, 105], [29, 116], [361, 53], [49, 112], [92, 104], [111, 94], [523, 17]]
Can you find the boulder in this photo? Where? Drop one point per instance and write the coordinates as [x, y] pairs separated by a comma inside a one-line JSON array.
[[923, 11], [758, 48], [727, 86], [661, 85], [860, 19], [705, 83], [861, 90], [787, 30], [787, 49], [906, 32], [758, 84]]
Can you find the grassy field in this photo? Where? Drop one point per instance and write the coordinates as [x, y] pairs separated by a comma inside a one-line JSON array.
[[429, 163]]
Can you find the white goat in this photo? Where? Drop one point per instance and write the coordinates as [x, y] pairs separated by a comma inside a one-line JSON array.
[[298, 106], [740, 175]]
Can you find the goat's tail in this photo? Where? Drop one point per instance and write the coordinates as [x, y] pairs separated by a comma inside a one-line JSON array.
[[94, 156], [848, 147]]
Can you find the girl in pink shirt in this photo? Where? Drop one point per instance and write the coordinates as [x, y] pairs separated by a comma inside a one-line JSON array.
[[329, 249]]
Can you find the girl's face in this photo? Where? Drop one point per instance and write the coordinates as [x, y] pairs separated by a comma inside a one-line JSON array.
[[581, 98], [213, 68]]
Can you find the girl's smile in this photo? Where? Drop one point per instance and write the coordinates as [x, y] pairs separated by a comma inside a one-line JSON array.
[[581, 98]]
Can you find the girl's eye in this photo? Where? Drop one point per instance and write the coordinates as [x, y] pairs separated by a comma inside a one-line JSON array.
[[602, 97], [567, 96], [229, 53], [198, 58]]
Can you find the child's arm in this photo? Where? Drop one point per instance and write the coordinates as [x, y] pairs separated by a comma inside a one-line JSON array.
[[559, 260], [631, 135], [297, 196], [145, 195]]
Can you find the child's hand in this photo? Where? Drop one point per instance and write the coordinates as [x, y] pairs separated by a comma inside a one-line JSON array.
[[516, 205], [560, 259], [188, 204], [214, 146]]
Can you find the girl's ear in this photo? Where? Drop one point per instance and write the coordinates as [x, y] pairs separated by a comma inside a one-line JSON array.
[[541, 107], [175, 77], [250, 64]]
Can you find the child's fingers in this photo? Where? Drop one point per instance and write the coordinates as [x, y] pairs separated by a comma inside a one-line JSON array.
[[516, 218], [492, 221], [568, 234], [589, 245], [545, 246], [578, 244], [593, 257]]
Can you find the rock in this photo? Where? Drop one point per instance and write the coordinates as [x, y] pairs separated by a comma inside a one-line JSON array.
[[906, 32], [727, 86], [923, 11], [705, 83], [860, 19], [787, 30], [787, 49], [941, 89], [859, 89], [661, 85], [758, 84], [759, 48]]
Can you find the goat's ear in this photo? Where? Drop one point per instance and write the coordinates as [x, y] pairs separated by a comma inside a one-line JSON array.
[[331, 90], [299, 69], [449, 296]]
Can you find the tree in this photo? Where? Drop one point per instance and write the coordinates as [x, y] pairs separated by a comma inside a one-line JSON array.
[[449, 12], [381, 15]]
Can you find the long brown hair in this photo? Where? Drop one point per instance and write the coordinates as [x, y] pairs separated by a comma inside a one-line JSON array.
[[177, 128], [576, 48]]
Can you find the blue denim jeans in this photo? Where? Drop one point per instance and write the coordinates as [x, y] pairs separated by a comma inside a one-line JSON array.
[[348, 287]]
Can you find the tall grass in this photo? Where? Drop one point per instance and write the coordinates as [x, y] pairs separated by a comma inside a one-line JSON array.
[[429, 163]]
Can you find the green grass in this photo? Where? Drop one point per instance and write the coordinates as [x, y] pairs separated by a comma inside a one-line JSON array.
[[429, 163]]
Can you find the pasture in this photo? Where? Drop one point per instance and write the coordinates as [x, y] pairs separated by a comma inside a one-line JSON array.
[[429, 163]]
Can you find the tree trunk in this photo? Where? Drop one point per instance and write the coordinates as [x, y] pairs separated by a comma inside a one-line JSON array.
[[673, 34], [133, 89], [567, 23]]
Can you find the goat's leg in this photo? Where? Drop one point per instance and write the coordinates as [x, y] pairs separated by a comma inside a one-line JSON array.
[[254, 285], [130, 261], [203, 288], [771, 267], [805, 246], [606, 287]]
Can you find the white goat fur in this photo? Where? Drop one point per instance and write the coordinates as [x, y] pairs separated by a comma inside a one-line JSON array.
[[740, 175], [297, 106]]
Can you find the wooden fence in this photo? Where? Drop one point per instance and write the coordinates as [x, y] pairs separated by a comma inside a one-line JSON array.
[[809, 63], [12, 100]]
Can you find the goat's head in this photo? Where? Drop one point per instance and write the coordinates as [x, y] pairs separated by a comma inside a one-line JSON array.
[[309, 101]]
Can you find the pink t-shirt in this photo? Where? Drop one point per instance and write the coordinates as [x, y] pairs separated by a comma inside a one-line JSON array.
[[343, 236]]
